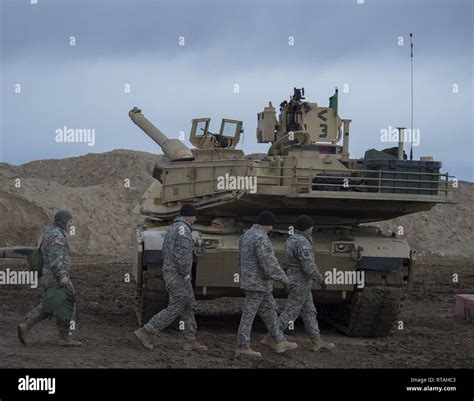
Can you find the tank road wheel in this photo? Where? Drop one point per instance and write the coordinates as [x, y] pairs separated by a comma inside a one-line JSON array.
[[151, 296], [373, 311]]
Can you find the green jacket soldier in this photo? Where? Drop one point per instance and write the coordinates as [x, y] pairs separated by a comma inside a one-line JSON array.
[[302, 270], [59, 293], [258, 269], [177, 265]]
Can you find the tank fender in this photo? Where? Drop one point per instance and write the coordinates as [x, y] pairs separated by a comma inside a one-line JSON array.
[[382, 253], [153, 245]]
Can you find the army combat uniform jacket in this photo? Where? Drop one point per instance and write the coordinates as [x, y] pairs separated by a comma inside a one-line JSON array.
[[259, 266], [55, 250], [299, 259], [178, 248]]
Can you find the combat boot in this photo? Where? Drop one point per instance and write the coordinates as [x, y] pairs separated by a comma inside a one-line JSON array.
[[320, 345], [247, 351], [283, 346], [65, 340], [145, 338], [193, 345], [268, 341], [24, 328]]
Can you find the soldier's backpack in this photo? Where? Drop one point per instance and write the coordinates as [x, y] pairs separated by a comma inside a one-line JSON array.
[[35, 261]]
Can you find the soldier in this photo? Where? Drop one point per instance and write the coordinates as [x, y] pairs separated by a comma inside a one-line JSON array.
[[177, 264], [299, 260], [258, 269], [58, 299]]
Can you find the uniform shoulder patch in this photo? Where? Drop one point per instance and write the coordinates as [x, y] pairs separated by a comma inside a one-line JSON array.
[[264, 242], [55, 237]]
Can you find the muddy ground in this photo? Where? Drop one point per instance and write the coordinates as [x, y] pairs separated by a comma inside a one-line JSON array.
[[433, 336]]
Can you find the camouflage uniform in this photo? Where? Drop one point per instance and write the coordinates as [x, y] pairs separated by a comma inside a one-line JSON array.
[[258, 269], [302, 270], [55, 250], [177, 265]]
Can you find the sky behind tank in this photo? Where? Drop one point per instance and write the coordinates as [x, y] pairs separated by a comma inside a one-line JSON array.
[[336, 43]]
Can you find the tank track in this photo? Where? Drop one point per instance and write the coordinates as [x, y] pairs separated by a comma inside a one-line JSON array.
[[151, 297], [373, 311]]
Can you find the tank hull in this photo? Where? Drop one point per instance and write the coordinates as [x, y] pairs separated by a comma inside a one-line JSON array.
[[366, 281]]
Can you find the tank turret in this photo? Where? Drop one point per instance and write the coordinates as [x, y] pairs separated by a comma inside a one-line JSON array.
[[173, 149]]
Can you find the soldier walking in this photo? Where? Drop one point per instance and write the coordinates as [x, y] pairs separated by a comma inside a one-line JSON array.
[[59, 293], [302, 270], [177, 268], [258, 269]]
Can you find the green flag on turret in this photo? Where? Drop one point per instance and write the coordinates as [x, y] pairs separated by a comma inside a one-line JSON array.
[[333, 102]]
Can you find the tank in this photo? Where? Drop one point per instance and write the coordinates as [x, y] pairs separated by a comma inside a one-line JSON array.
[[307, 170]]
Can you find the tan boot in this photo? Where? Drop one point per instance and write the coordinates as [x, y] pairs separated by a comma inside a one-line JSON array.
[[193, 345], [145, 338], [320, 345], [23, 330], [247, 351], [283, 346], [268, 341], [65, 340]]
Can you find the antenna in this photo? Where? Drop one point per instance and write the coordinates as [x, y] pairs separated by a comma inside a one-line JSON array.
[[411, 67]]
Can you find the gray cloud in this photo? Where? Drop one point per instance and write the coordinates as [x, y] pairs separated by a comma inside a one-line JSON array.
[[226, 43]]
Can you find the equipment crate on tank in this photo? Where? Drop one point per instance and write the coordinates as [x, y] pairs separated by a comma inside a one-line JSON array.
[[414, 177]]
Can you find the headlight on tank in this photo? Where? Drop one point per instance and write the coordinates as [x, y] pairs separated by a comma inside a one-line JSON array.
[[342, 247], [209, 243]]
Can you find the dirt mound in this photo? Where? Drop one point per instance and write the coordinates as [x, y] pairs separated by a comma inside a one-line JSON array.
[[94, 187], [445, 230]]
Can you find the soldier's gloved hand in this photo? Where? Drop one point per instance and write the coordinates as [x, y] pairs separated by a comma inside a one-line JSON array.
[[286, 286], [323, 285]]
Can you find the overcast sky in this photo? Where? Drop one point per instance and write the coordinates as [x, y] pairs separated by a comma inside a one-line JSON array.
[[336, 43]]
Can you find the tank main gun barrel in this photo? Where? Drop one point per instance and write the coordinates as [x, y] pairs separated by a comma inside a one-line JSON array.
[[174, 149]]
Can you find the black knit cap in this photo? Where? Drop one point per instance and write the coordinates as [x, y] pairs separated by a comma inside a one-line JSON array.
[[61, 218], [266, 218], [304, 222], [188, 209]]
